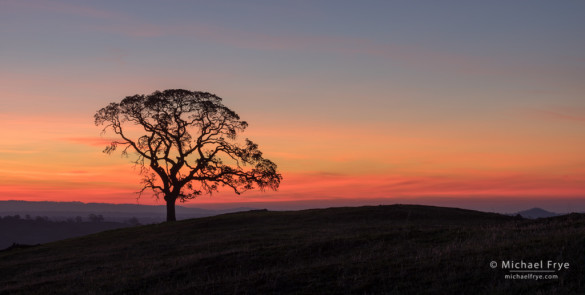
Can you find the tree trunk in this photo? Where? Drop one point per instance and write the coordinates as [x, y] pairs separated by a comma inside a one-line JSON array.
[[171, 209]]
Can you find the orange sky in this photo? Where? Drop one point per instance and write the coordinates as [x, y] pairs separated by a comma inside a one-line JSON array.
[[60, 158], [445, 104]]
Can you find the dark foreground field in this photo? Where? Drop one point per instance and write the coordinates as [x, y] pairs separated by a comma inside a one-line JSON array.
[[399, 249]]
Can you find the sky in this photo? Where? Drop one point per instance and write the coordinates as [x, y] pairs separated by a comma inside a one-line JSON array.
[[474, 104]]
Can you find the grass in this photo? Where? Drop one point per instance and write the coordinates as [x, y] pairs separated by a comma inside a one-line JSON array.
[[398, 249]]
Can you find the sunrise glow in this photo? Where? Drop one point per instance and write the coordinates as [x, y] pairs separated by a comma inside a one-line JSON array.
[[389, 109]]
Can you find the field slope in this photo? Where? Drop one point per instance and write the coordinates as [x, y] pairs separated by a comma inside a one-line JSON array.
[[398, 249]]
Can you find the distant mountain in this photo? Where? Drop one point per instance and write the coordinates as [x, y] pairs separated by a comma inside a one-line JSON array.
[[537, 213]]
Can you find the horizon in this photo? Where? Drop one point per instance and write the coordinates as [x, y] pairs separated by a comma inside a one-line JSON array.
[[475, 105], [512, 206]]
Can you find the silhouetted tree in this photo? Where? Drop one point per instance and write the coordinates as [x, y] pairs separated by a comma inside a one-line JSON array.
[[95, 218], [185, 145], [132, 221]]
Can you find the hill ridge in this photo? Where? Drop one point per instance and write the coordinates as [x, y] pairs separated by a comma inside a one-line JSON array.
[[347, 250]]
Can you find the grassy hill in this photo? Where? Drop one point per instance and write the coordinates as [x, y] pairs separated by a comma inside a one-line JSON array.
[[398, 249]]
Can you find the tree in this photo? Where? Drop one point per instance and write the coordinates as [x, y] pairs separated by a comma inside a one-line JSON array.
[[184, 143], [95, 218]]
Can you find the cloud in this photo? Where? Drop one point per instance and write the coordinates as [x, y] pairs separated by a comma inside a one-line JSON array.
[[8, 151], [316, 185], [417, 56], [91, 141], [412, 55], [115, 22], [38, 173], [130, 26], [290, 156], [566, 115]]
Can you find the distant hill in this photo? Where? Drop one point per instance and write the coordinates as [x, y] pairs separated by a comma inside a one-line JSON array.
[[398, 249], [25, 222], [111, 212], [536, 213], [39, 230]]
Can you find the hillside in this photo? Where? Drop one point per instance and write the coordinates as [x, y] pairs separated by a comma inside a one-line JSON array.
[[398, 249]]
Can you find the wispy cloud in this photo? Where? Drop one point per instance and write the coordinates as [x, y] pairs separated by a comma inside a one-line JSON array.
[[132, 26], [415, 56], [561, 115], [47, 173], [313, 185], [91, 141], [10, 151]]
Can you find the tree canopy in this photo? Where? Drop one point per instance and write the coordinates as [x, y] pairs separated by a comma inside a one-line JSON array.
[[185, 144]]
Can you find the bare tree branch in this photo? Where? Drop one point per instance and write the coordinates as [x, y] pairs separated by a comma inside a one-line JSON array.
[[184, 138]]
